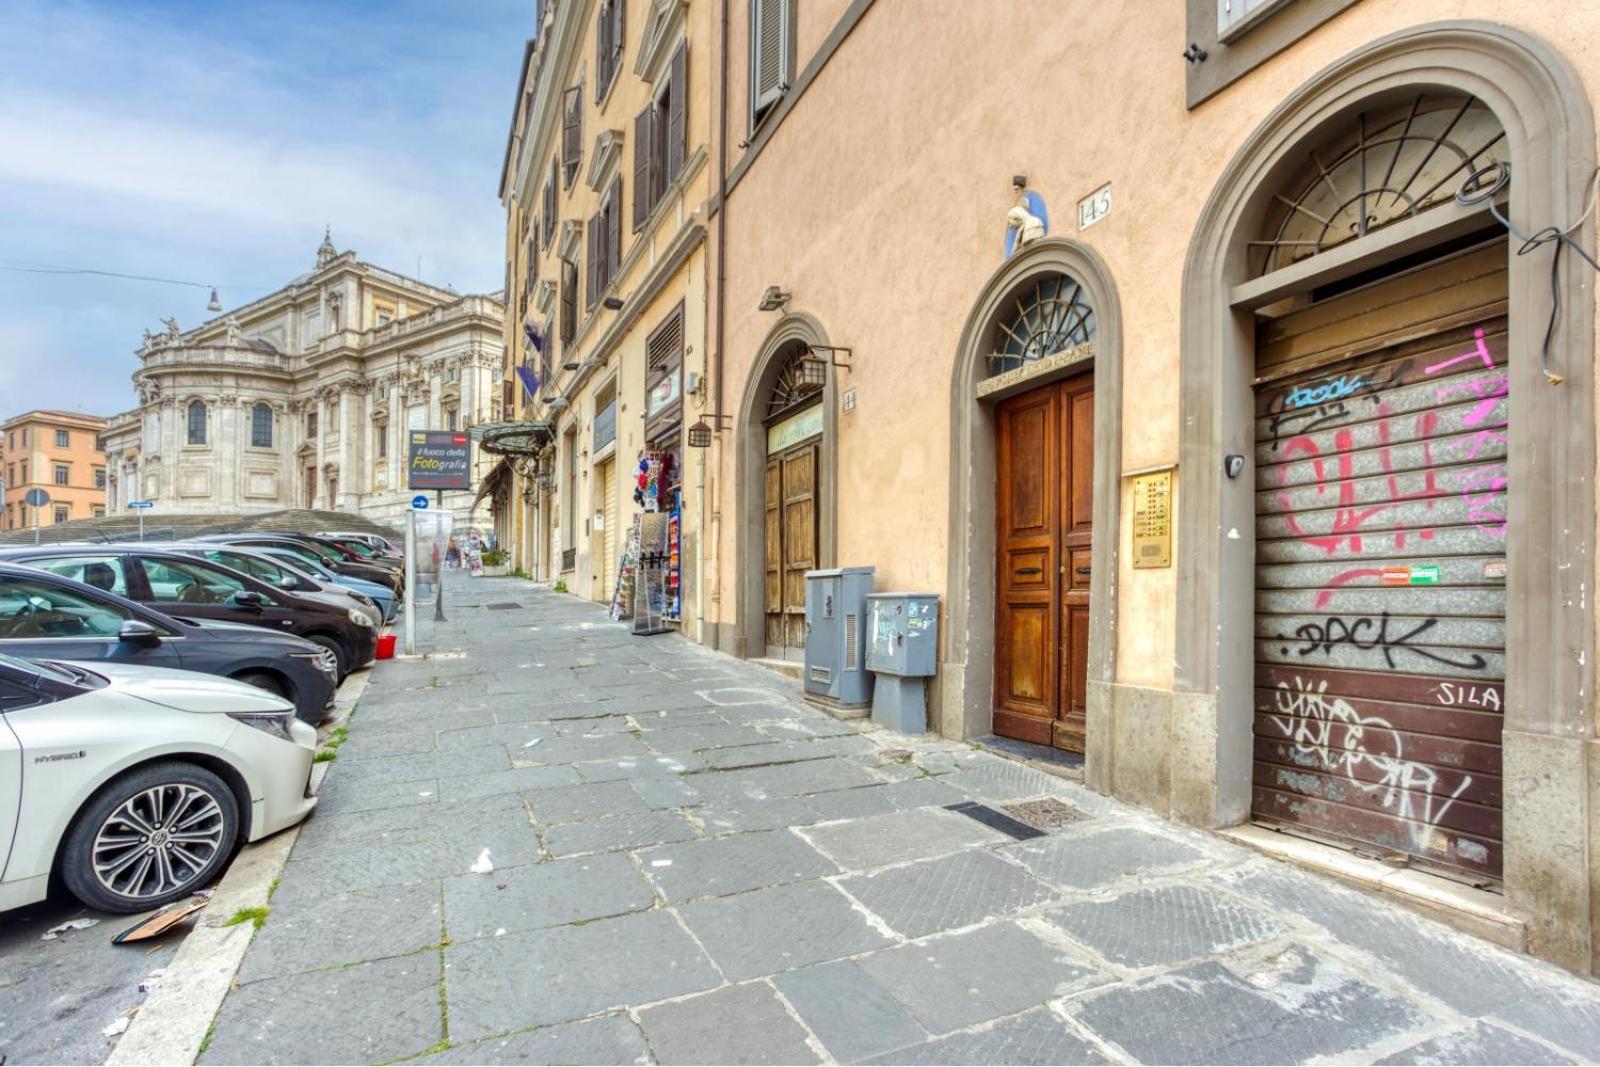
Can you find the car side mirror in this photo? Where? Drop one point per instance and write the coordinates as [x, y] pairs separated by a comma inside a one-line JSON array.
[[247, 598], [135, 632]]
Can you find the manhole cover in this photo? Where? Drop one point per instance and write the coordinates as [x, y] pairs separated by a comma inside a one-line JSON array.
[[508, 605], [1047, 813]]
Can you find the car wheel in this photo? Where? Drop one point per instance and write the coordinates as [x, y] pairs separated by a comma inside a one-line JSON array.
[[333, 645], [263, 680], [151, 837]]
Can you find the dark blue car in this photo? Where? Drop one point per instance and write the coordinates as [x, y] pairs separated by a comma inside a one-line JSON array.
[[44, 616]]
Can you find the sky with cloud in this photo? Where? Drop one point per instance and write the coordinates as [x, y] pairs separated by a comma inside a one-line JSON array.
[[212, 142]]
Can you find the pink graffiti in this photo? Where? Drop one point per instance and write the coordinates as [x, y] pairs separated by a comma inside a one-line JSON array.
[[1325, 594], [1349, 519], [1482, 488]]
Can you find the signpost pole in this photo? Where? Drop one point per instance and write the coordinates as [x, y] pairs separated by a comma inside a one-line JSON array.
[[36, 512], [141, 524], [411, 582], [438, 599]]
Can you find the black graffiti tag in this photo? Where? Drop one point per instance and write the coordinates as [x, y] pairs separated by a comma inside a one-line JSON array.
[[1366, 633]]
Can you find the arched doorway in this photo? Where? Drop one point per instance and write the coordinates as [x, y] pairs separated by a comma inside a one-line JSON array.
[[1036, 457], [1342, 341], [787, 460]]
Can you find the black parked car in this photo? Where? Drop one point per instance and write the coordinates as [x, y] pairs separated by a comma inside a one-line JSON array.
[[45, 616], [200, 589], [334, 561]]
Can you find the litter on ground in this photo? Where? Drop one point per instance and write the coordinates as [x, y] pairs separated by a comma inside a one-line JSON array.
[[484, 864], [71, 924]]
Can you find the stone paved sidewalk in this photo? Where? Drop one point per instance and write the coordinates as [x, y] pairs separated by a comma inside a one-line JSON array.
[[693, 866]]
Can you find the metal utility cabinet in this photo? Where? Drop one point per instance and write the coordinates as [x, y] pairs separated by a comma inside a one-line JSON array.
[[903, 649], [835, 673]]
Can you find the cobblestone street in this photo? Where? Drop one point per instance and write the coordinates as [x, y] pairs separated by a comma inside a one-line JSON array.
[[691, 865]]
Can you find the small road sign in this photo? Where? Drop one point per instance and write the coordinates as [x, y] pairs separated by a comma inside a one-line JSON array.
[[36, 498], [419, 502], [140, 505]]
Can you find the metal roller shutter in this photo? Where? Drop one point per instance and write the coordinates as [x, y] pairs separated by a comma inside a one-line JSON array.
[[608, 486], [1381, 523]]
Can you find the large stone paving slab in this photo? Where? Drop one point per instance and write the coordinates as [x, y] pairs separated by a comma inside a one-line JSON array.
[[1290, 1009], [742, 1024], [607, 1039], [617, 832], [850, 1012], [1478, 1043], [958, 980], [772, 930], [732, 864], [878, 841], [579, 803], [569, 972], [1034, 1038], [512, 899], [368, 1013], [1168, 925], [944, 894], [1090, 860], [304, 932]]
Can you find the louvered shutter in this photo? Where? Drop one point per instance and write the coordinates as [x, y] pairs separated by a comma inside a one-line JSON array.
[[602, 52], [591, 272], [569, 301], [613, 216], [769, 52], [677, 115], [572, 133], [619, 9], [643, 152]]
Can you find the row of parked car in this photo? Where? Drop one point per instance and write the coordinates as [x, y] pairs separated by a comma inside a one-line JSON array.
[[125, 772]]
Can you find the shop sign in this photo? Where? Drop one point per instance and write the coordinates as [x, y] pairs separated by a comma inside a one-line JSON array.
[[663, 395], [605, 426], [794, 429], [439, 459], [1152, 520]]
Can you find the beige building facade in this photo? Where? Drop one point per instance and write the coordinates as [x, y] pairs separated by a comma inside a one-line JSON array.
[[58, 452], [1184, 352], [304, 398], [606, 182]]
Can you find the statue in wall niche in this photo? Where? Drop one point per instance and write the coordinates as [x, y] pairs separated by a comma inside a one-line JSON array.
[[1028, 220], [335, 305]]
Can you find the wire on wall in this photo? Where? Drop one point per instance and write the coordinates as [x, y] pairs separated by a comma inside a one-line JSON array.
[[1482, 186]]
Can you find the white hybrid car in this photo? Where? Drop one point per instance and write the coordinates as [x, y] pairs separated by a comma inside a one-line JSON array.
[[135, 784]]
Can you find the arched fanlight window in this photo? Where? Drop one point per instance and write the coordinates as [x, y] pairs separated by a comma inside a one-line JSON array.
[[197, 422], [796, 383], [1047, 314], [1375, 168], [261, 426]]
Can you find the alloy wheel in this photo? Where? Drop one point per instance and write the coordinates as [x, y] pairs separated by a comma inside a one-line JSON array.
[[158, 841]]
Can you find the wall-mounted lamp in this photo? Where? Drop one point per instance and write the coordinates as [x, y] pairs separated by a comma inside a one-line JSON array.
[[773, 299], [1233, 464], [832, 360], [700, 432], [612, 303], [569, 366]]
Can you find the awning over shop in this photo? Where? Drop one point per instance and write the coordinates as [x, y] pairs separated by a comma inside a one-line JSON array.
[[499, 477], [521, 438]]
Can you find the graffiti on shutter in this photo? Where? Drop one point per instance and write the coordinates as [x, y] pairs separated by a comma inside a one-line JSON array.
[[1381, 527]]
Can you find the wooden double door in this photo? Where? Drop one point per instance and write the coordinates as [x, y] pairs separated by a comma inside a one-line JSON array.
[[790, 546], [1044, 500]]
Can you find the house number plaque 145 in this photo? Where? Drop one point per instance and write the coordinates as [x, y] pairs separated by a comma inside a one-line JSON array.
[[1152, 520]]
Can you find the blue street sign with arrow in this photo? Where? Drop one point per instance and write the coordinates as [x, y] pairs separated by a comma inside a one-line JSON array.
[[419, 502]]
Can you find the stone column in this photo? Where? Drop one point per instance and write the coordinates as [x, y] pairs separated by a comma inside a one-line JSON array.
[[345, 450], [319, 491]]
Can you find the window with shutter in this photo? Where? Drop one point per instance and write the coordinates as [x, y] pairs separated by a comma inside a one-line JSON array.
[[550, 205], [608, 47], [643, 156], [663, 403], [569, 301], [770, 34], [571, 134], [613, 235], [677, 113], [591, 268]]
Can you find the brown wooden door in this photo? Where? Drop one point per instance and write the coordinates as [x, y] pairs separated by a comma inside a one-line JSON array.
[[1044, 505], [790, 546], [1382, 430]]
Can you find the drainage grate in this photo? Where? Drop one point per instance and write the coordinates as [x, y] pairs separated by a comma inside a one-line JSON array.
[[507, 605], [995, 820], [1046, 814]]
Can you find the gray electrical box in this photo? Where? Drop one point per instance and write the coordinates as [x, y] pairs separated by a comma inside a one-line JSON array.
[[836, 673], [902, 649]]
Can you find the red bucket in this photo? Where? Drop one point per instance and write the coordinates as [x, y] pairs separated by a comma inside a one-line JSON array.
[[386, 645]]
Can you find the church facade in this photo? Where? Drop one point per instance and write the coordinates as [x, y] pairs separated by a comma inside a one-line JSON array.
[[303, 398]]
